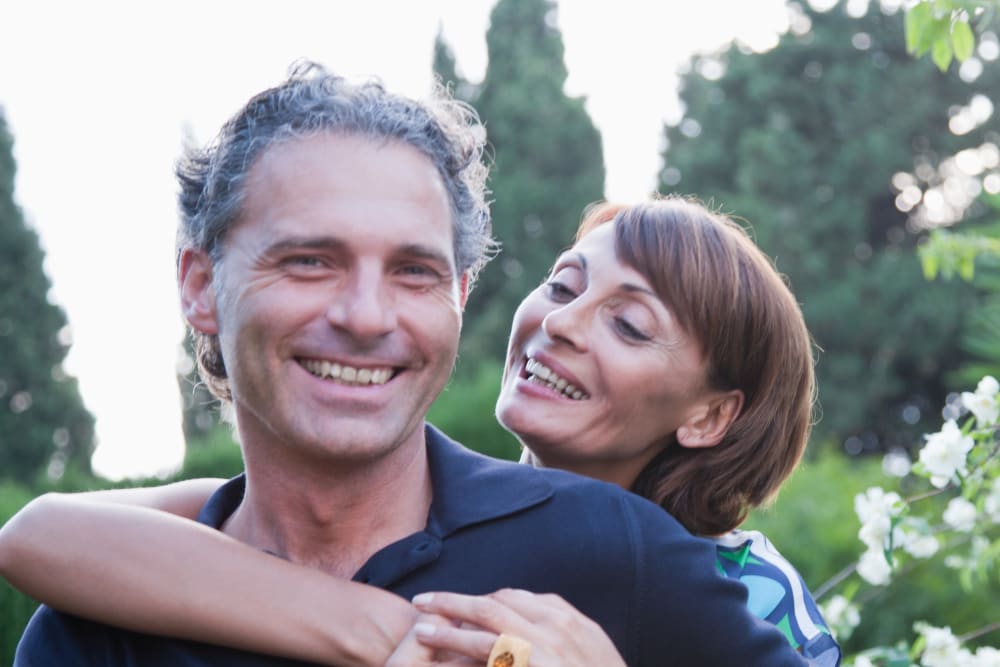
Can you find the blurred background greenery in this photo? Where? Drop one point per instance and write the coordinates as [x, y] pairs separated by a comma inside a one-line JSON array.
[[841, 152]]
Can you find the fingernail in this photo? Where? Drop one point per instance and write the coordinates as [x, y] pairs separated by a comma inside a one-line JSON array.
[[423, 598], [425, 629]]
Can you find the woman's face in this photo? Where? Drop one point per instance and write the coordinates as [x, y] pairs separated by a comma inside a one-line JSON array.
[[599, 373]]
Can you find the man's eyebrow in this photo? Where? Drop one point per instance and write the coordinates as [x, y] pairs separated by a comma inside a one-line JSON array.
[[305, 243]]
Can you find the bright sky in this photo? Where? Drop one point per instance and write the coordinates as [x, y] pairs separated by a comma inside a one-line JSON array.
[[100, 94]]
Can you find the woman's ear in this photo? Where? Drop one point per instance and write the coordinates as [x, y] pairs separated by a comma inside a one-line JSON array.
[[194, 273], [711, 421]]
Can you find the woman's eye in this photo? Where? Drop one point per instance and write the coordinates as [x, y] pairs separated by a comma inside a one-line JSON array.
[[628, 330], [558, 291]]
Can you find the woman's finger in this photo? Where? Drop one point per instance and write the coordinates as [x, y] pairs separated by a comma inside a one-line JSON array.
[[411, 652], [482, 611], [545, 610], [472, 643]]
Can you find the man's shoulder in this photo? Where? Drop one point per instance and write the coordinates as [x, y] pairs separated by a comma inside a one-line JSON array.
[[474, 482], [56, 638]]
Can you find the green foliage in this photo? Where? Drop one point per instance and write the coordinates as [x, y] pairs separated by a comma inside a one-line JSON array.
[[548, 164], [212, 454], [812, 522], [465, 412], [15, 611], [947, 254], [942, 28], [804, 141], [199, 408], [813, 525], [15, 608], [44, 426]]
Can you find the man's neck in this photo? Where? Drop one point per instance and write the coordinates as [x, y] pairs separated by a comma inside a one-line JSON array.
[[333, 517]]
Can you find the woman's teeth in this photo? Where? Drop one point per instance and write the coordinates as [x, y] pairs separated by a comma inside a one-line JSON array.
[[542, 374], [346, 374]]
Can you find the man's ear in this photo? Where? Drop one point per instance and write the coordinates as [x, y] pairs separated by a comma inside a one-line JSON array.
[[463, 290], [711, 421], [194, 273]]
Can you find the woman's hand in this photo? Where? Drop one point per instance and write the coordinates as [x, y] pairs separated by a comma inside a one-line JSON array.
[[412, 653], [560, 635]]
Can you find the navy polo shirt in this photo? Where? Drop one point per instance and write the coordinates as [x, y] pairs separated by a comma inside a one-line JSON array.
[[492, 524]]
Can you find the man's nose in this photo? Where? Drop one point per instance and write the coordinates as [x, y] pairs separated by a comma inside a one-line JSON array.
[[363, 306]]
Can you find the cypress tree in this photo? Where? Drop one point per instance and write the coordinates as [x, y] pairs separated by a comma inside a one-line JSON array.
[[548, 162], [44, 426], [812, 142]]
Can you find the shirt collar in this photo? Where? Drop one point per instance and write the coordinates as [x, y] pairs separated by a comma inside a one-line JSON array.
[[470, 488]]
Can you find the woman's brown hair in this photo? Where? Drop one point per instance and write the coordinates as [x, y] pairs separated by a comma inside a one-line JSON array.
[[728, 296]]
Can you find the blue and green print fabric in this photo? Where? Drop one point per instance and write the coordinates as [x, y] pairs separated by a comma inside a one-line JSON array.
[[777, 593]]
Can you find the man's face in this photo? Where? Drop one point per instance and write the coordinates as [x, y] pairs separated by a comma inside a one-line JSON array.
[[338, 303]]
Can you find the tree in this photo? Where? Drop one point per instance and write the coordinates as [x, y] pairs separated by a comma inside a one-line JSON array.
[[820, 144], [44, 426], [548, 162]]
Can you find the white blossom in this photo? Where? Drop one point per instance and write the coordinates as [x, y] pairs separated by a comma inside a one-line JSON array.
[[987, 656], [863, 661], [876, 509], [960, 515], [842, 615], [914, 536], [980, 547], [874, 568], [945, 453], [991, 506], [942, 647], [988, 386], [921, 546], [985, 402], [875, 533], [875, 502], [954, 562], [985, 408]]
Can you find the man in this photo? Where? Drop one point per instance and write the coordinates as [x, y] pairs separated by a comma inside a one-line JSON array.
[[329, 239]]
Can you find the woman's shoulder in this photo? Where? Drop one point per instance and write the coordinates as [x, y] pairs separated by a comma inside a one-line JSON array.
[[752, 548]]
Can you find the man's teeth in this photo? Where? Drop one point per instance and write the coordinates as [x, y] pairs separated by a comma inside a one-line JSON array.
[[347, 374], [542, 374]]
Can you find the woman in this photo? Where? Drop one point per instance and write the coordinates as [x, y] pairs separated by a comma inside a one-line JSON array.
[[664, 354]]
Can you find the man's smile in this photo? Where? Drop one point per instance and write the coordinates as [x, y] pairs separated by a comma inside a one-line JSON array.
[[344, 374]]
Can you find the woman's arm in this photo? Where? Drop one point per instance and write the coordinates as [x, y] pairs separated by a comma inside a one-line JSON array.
[[111, 557]]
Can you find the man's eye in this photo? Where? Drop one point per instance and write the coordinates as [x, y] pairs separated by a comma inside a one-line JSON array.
[[417, 270], [304, 260]]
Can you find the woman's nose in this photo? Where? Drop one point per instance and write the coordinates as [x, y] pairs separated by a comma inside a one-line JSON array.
[[568, 324]]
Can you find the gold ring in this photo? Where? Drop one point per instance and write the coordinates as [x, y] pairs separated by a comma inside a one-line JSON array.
[[509, 651]]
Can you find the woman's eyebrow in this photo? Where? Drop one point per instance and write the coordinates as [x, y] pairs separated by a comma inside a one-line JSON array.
[[632, 287]]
